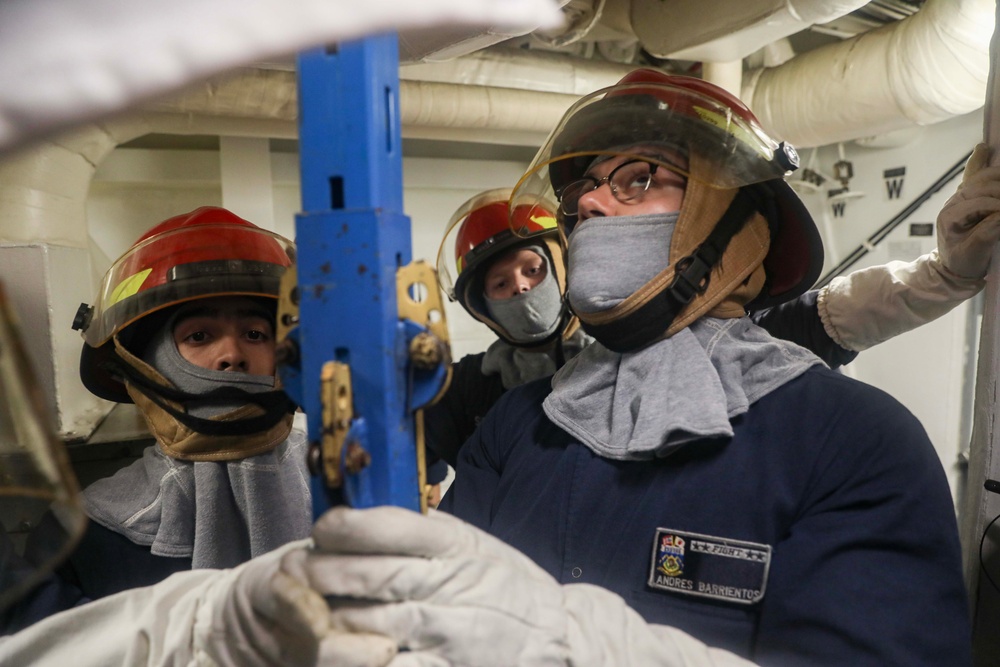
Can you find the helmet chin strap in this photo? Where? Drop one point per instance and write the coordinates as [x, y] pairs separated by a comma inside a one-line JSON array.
[[275, 404], [692, 274], [262, 421]]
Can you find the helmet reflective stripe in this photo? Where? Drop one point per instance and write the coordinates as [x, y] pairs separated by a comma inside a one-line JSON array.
[[737, 131], [544, 221], [128, 287]]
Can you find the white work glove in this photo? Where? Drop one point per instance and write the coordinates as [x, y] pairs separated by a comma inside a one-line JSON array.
[[257, 616], [451, 594], [867, 307], [251, 616], [968, 226]]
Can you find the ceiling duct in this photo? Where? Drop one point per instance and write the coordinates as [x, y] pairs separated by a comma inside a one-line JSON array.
[[920, 70], [927, 68]]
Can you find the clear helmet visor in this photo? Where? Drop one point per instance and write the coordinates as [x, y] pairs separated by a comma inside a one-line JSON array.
[[35, 478], [187, 263], [668, 124]]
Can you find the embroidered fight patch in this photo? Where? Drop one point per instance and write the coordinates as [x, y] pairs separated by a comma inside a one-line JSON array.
[[710, 567]]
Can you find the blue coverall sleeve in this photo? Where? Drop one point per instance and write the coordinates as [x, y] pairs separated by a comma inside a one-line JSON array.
[[799, 322]]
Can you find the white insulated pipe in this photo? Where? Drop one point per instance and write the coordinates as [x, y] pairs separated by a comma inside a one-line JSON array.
[[924, 69], [445, 105], [726, 75], [43, 189], [270, 96], [539, 71]]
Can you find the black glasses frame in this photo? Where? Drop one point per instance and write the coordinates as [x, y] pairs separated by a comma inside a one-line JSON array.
[[580, 184]]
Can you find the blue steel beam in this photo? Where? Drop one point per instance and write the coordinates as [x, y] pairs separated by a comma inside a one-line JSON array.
[[351, 238]]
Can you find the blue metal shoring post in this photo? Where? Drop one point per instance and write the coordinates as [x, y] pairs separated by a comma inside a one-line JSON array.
[[351, 237]]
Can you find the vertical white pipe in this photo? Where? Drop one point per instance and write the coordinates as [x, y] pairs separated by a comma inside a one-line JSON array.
[[727, 75]]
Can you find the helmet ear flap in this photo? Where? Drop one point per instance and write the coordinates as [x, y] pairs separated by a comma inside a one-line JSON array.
[[94, 362]]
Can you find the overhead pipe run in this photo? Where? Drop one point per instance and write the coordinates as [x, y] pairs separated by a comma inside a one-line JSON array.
[[927, 68], [480, 107], [924, 69], [523, 70], [272, 95]]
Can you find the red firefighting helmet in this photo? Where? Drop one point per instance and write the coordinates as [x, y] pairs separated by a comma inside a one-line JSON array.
[[205, 253]]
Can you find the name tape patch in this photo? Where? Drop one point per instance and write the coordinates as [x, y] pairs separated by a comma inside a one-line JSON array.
[[711, 567]]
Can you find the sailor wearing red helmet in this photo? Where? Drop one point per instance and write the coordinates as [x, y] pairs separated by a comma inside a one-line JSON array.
[[722, 482], [749, 504], [184, 328], [812, 530]]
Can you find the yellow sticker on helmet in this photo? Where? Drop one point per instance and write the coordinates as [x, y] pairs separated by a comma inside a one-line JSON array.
[[127, 287], [544, 221], [730, 126]]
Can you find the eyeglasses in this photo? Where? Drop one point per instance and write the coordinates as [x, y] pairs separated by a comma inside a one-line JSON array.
[[629, 182]]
